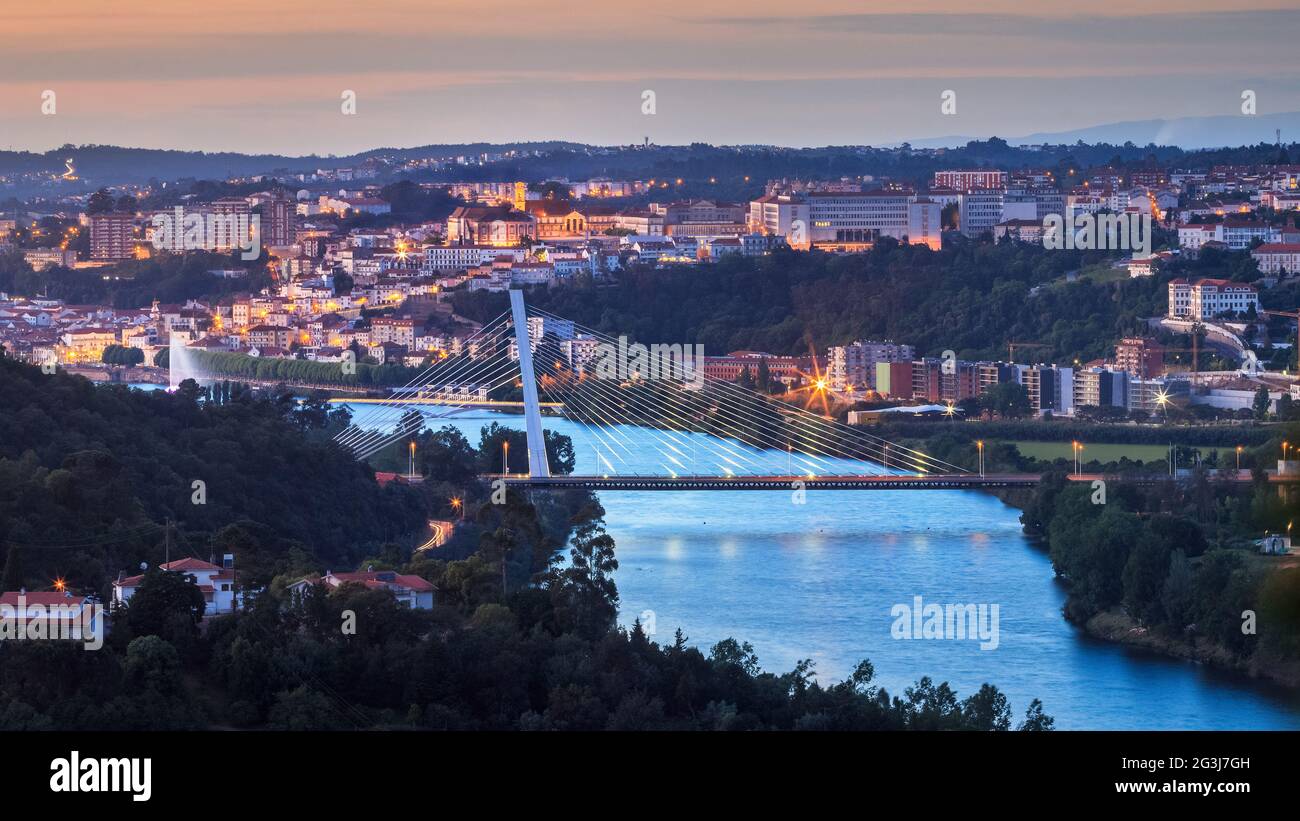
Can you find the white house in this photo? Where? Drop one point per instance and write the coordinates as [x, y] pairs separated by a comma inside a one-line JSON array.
[[217, 583]]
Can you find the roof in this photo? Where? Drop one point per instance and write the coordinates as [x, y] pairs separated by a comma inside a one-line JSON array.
[[189, 564], [43, 598], [1278, 248], [383, 577]]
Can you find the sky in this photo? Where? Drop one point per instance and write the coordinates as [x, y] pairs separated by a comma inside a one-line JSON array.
[[259, 76]]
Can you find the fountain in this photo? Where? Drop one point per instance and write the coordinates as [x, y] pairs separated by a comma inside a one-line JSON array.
[[180, 363]]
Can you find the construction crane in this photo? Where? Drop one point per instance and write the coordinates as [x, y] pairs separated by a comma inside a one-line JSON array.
[[1011, 348]]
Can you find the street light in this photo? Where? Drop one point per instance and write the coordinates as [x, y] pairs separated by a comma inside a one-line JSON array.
[[1239, 458], [505, 459], [459, 506], [979, 443], [412, 474]]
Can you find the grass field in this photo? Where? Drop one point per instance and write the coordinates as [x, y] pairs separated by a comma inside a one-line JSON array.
[[1101, 452]]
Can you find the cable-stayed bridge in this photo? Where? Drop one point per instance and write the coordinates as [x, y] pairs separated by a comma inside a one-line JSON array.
[[649, 417]]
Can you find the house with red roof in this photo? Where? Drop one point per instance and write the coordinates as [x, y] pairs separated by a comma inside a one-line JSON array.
[[413, 591], [216, 582]]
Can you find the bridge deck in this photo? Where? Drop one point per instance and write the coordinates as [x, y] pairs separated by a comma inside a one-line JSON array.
[[927, 482], [932, 481]]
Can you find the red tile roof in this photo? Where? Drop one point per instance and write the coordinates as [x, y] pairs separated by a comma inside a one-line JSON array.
[[45, 599]]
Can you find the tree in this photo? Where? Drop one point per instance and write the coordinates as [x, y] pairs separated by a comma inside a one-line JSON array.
[[166, 604], [100, 202], [585, 594], [1035, 719], [1261, 404], [13, 578], [1007, 399]]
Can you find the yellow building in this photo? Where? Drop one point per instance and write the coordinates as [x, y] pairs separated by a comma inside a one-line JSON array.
[[86, 344]]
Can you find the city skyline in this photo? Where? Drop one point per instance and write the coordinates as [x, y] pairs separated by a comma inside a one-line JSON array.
[[859, 74]]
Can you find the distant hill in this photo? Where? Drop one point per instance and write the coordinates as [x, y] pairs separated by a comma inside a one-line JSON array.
[[116, 165], [1185, 132]]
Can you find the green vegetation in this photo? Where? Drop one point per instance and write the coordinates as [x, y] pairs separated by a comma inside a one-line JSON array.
[[302, 371], [1178, 561], [521, 637], [169, 278], [1104, 453], [968, 298], [119, 355]]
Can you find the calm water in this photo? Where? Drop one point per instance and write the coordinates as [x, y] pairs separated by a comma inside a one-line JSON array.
[[818, 581]]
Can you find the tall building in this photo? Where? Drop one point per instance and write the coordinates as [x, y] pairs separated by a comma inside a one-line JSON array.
[[1140, 356], [1100, 388], [979, 210], [853, 367], [1049, 388], [112, 236], [279, 220]]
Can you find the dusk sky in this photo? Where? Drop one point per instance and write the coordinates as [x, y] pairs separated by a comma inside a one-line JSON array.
[[251, 75]]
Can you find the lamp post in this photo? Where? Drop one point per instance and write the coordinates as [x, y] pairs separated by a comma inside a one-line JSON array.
[[1239, 458], [505, 458], [412, 473], [979, 443]]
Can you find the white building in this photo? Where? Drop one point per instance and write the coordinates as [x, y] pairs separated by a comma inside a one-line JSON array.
[[1278, 258], [1209, 298], [216, 583]]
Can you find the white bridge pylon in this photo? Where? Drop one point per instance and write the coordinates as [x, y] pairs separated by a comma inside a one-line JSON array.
[[537, 464], [672, 423]]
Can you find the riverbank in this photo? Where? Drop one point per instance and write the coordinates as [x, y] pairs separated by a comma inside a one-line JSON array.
[[1114, 625], [1117, 626]]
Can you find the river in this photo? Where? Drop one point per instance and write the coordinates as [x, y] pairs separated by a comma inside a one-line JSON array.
[[819, 580]]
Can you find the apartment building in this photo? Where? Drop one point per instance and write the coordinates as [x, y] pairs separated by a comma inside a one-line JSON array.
[[1140, 356], [112, 236], [853, 367], [1100, 388]]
